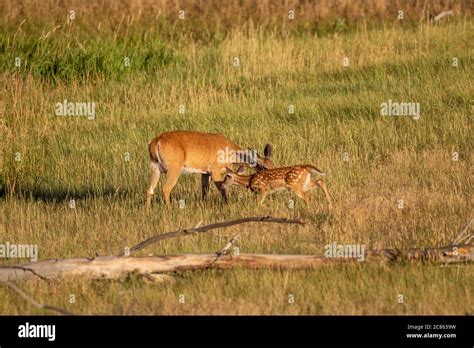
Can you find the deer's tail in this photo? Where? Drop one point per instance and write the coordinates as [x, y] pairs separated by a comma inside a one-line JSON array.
[[154, 152]]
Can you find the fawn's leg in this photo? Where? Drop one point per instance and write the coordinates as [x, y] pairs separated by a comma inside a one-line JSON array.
[[262, 193], [301, 193], [155, 177], [323, 186]]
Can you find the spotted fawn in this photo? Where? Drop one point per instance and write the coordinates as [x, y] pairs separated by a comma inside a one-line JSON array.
[[299, 179]]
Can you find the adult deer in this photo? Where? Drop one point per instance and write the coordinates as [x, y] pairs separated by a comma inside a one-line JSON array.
[[208, 154], [299, 179]]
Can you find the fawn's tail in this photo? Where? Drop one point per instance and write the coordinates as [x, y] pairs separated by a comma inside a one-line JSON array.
[[315, 170]]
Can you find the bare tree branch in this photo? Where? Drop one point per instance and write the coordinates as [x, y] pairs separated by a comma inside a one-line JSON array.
[[206, 228], [462, 237], [32, 301], [225, 249]]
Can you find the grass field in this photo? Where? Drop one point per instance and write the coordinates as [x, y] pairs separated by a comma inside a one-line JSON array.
[[374, 163]]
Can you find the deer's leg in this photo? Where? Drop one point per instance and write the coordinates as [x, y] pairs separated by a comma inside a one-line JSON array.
[[172, 177], [218, 180], [323, 186], [155, 177], [205, 181], [222, 190]]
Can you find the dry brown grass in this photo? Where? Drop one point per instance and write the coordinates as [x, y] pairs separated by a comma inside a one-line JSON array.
[[215, 16], [337, 110]]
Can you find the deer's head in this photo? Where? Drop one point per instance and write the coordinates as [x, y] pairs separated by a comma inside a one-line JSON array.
[[259, 162]]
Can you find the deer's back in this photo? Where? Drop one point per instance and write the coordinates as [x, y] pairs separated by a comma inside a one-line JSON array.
[[196, 149], [284, 176]]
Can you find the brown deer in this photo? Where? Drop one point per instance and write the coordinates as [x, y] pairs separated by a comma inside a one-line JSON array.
[[208, 154], [299, 179]]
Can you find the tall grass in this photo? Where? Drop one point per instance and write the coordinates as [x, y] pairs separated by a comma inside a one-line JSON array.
[[337, 111]]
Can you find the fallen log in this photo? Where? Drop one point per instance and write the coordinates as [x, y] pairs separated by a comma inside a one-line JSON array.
[[115, 267]]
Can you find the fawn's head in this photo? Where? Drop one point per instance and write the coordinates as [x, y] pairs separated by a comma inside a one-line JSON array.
[[235, 177]]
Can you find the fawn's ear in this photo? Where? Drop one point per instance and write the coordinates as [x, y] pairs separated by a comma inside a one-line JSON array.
[[268, 151], [228, 170], [240, 170]]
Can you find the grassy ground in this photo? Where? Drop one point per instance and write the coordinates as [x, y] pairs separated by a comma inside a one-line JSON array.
[[337, 114]]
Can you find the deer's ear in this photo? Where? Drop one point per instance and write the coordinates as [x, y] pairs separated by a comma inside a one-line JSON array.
[[240, 170], [268, 151], [228, 170]]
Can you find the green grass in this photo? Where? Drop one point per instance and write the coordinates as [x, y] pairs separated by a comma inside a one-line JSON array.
[[337, 110], [63, 59]]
